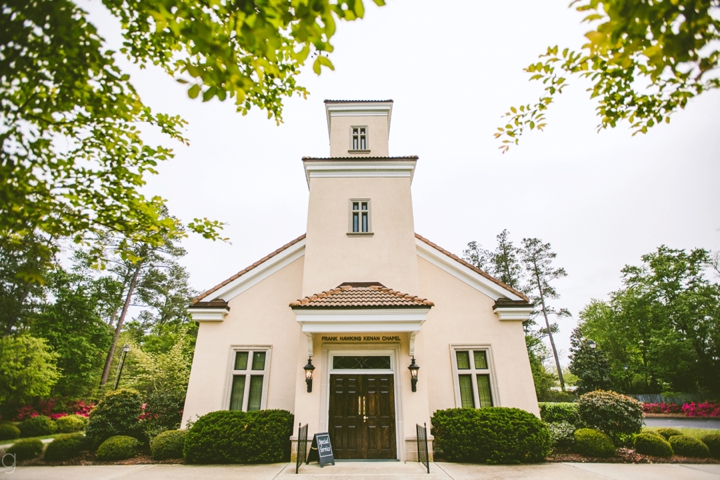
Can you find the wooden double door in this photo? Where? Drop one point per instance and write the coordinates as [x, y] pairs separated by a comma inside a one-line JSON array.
[[362, 416]]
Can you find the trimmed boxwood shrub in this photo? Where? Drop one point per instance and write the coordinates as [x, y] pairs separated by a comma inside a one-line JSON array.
[[611, 413], [116, 414], [26, 449], [71, 423], [240, 437], [688, 446], [712, 441], [8, 431], [593, 443], [559, 412], [37, 426], [655, 445], [65, 446], [168, 444], [668, 432], [561, 434], [118, 447], [490, 435]]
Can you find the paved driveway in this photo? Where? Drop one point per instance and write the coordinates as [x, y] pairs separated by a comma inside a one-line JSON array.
[[711, 423]]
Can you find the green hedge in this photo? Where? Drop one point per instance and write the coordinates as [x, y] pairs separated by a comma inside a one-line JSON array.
[[26, 449], [168, 444], [116, 414], [490, 435], [559, 412], [71, 423], [65, 446], [668, 432], [561, 434], [688, 446], [240, 437], [8, 431], [611, 413], [118, 447], [593, 443], [37, 426], [712, 441], [655, 445]]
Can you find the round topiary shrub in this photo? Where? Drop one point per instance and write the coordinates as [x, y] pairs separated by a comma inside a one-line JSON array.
[[561, 434], [65, 446], [116, 414], [240, 437], [593, 443], [712, 441], [168, 444], [37, 426], [611, 413], [559, 412], [655, 445], [71, 423], [8, 431], [490, 435], [668, 432], [26, 449], [118, 447], [685, 446]]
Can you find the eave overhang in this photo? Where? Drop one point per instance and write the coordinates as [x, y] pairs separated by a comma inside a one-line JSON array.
[[360, 320], [513, 310]]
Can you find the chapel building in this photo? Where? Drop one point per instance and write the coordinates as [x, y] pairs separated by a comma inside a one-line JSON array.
[[360, 297]]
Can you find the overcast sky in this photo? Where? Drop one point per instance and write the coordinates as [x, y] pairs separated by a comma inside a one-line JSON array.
[[452, 68]]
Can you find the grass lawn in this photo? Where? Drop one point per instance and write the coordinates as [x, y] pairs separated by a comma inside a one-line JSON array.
[[690, 432]]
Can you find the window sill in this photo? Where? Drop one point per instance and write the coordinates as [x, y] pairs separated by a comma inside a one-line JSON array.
[[360, 234], [358, 151]]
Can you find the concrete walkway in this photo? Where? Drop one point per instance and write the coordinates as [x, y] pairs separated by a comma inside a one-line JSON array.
[[373, 471]]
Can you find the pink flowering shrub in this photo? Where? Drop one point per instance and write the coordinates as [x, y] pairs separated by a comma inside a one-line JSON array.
[[707, 409], [661, 408], [54, 408]]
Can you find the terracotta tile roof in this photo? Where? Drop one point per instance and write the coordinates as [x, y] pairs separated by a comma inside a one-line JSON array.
[[362, 295], [247, 269], [323, 159], [358, 101], [217, 303], [472, 267]]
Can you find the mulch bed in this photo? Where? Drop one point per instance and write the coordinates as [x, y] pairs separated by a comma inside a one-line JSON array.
[[87, 458], [668, 415], [626, 455]]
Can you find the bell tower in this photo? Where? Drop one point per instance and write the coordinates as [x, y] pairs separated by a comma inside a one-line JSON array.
[[359, 128]]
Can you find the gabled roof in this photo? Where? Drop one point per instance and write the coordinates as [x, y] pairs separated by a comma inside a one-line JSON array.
[[361, 295], [247, 269]]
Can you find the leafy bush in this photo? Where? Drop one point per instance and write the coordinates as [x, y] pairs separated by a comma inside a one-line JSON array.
[[8, 431], [240, 437], [65, 446], [561, 434], [611, 413], [655, 445], [71, 423], [163, 411], [26, 449], [556, 396], [668, 432], [116, 414], [593, 443], [168, 444], [490, 435], [712, 441], [559, 412], [118, 447], [688, 446], [37, 426]]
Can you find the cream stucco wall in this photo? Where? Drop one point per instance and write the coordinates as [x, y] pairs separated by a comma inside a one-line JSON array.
[[463, 316], [260, 316], [378, 135], [388, 256]]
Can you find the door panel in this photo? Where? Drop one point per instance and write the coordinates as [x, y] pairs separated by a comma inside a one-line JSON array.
[[362, 416]]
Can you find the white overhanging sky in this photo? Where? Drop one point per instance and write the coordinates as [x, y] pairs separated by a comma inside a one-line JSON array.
[[452, 68]]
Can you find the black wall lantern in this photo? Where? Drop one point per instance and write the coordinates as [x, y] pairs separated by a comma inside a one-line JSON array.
[[308, 374], [414, 374]]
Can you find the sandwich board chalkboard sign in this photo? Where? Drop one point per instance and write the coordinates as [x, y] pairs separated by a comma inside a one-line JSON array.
[[321, 450]]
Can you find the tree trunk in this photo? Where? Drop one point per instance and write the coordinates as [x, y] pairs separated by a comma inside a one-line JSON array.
[[547, 324], [121, 320]]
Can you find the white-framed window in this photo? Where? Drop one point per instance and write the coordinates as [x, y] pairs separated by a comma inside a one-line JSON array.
[[359, 138], [474, 386], [360, 215], [249, 379]]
